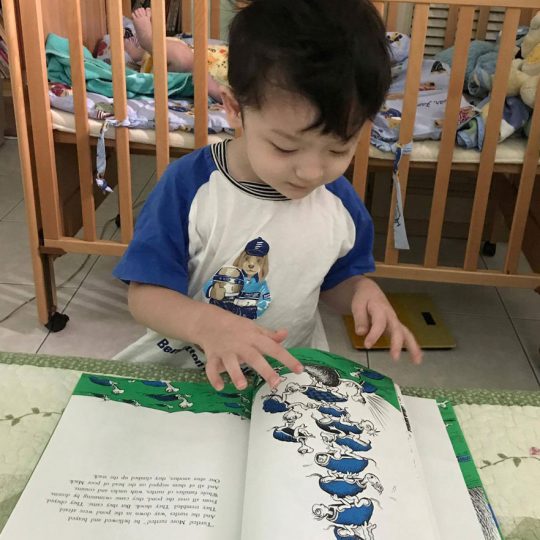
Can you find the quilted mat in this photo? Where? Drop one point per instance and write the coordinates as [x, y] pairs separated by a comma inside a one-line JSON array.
[[502, 429]]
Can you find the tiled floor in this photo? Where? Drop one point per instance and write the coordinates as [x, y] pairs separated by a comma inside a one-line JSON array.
[[497, 330]]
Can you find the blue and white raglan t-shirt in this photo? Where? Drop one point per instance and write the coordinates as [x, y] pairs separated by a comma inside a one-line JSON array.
[[246, 248]]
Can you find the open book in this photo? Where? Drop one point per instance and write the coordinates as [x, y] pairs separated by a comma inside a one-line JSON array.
[[333, 453]]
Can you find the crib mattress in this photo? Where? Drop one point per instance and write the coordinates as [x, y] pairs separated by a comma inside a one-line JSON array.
[[502, 430], [511, 151], [65, 122]]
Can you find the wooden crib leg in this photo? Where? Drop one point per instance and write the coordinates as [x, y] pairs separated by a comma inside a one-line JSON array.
[[44, 283], [43, 286], [495, 222], [56, 321]]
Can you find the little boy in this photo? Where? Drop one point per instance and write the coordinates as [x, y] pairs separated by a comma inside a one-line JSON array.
[[238, 240]]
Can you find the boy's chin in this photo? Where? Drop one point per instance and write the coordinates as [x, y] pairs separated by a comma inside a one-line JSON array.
[[295, 192]]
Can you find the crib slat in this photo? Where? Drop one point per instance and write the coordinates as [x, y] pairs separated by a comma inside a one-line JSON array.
[[414, 69], [215, 19], [487, 159], [82, 131], [114, 15], [23, 141], [126, 8], [525, 191], [34, 53], [526, 16], [392, 17], [200, 72], [446, 148], [361, 157], [159, 54], [451, 22], [186, 16], [380, 7], [481, 26], [361, 160]]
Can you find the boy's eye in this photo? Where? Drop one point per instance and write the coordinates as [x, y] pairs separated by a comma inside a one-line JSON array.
[[339, 152], [283, 150]]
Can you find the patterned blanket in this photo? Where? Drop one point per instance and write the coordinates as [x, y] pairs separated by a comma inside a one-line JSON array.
[[502, 430]]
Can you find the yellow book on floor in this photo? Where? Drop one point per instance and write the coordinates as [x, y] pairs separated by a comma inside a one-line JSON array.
[[418, 313]]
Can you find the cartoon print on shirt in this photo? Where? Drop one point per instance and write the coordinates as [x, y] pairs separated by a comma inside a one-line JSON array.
[[242, 288]]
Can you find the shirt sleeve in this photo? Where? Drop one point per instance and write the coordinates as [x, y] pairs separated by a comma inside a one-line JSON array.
[[159, 252], [359, 259]]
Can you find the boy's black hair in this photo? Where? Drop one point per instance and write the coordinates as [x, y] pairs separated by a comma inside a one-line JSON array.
[[332, 52]]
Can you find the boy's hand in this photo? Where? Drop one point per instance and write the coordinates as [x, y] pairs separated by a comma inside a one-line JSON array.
[[373, 315], [229, 341]]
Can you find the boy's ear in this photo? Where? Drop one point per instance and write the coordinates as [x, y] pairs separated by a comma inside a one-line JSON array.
[[232, 107]]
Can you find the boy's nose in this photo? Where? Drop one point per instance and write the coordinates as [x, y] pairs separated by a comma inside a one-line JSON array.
[[309, 172]]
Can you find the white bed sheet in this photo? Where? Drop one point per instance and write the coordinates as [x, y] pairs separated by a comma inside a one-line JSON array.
[[511, 151]]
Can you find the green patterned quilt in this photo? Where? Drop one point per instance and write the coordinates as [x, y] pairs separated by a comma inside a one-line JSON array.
[[502, 430]]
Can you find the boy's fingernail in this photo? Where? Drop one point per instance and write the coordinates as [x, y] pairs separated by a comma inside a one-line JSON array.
[[299, 368], [241, 385]]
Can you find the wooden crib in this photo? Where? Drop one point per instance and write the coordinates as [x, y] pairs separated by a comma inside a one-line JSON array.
[[53, 223]]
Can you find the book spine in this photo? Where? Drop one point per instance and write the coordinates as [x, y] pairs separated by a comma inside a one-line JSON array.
[[484, 512]]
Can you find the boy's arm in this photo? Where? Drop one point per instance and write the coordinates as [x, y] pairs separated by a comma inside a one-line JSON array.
[[373, 314], [226, 339]]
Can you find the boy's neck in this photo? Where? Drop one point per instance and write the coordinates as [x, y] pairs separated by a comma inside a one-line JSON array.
[[238, 163]]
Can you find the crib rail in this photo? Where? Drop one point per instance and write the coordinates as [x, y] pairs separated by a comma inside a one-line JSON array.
[[114, 16], [202, 18], [81, 125], [460, 26], [442, 177]]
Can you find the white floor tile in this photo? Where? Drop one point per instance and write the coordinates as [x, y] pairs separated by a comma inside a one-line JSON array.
[[451, 298], [16, 265], [11, 190], [521, 303], [100, 277], [529, 335], [16, 213], [142, 169], [22, 331], [488, 355], [100, 326], [8, 206], [9, 158]]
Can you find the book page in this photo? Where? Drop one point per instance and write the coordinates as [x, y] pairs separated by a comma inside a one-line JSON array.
[[450, 498], [116, 469], [330, 457]]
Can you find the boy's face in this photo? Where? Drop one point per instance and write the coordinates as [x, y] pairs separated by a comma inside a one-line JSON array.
[[283, 155]]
